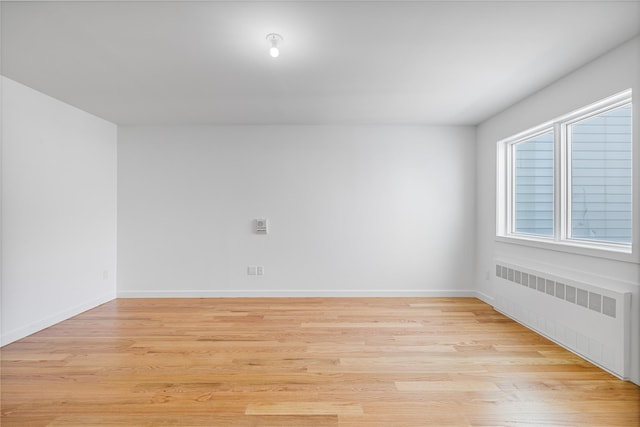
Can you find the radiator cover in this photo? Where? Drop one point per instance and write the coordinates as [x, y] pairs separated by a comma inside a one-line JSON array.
[[587, 318]]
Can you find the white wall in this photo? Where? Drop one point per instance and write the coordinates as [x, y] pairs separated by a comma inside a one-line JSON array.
[[352, 210], [606, 76], [58, 211]]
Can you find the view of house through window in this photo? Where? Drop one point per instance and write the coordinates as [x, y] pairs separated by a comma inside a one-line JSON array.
[[570, 180], [534, 185], [601, 176]]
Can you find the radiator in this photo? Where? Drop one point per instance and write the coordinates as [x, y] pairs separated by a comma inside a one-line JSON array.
[[588, 319]]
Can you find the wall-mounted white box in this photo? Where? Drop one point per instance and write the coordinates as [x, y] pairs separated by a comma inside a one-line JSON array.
[[261, 225]]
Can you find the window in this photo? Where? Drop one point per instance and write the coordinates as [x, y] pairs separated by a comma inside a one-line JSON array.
[[601, 176], [533, 185], [569, 181]]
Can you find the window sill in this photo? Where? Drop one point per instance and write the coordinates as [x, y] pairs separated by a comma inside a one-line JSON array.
[[575, 248]]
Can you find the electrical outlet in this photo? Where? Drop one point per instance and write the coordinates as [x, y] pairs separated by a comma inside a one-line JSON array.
[[260, 270], [252, 270]]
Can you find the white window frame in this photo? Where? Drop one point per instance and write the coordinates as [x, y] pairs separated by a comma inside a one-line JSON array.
[[540, 130], [561, 238]]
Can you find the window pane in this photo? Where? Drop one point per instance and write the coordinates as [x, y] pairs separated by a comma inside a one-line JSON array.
[[533, 185], [601, 177]]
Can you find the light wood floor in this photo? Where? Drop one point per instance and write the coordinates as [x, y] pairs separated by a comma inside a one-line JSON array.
[[376, 362]]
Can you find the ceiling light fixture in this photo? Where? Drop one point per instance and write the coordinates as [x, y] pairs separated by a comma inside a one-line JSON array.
[[275, 40]]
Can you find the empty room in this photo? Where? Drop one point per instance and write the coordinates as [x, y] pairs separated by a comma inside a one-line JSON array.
[[320, 213]]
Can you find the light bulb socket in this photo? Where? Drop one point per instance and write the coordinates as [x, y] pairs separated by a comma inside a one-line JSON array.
[[275, 40]]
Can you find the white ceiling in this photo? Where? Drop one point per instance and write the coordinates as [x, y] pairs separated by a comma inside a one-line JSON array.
[[342, 62]]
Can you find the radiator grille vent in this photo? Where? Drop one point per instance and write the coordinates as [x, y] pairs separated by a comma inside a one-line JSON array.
[[575, 295]]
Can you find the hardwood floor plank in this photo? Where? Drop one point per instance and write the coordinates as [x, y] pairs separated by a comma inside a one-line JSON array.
[[447, 386], [304, 408], [196, 421], [343, 362]]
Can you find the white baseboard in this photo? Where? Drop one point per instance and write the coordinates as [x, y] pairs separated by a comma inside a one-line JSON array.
[[293, 293], [24, 331], [484, 298]]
